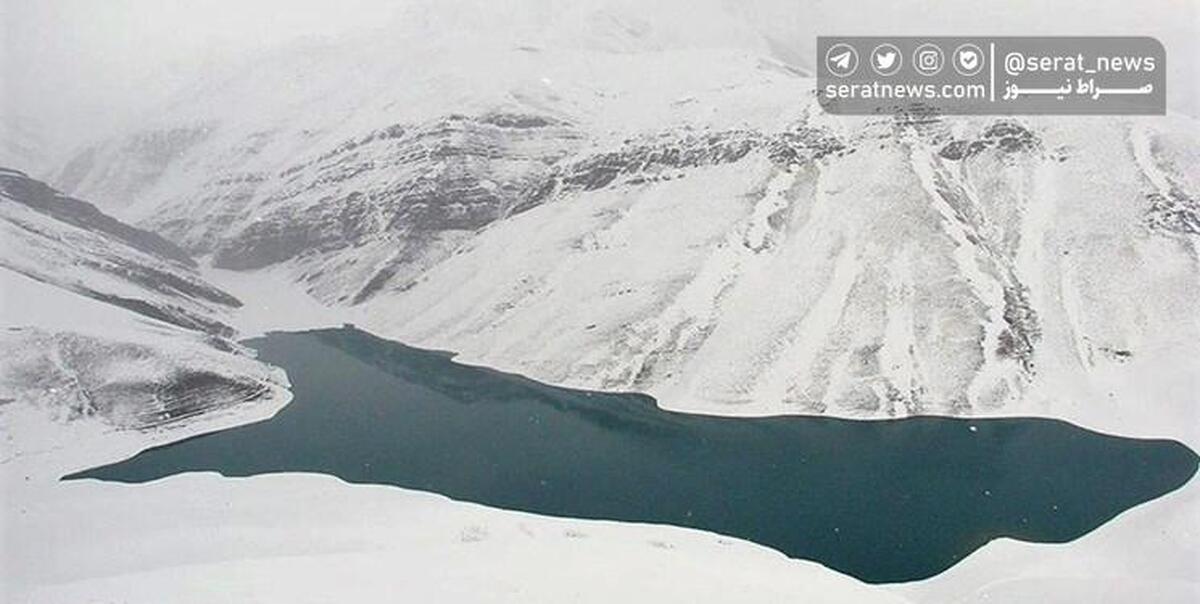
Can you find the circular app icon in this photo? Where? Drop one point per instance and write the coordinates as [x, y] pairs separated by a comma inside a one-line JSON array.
[[968, 59], [841, 60], [928, 59], [885, 59]]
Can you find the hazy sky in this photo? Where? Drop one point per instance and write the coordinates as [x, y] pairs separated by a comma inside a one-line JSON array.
[[77, 66]]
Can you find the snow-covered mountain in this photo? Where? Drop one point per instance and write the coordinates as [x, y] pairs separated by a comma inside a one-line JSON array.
[[588, 197], [946, 267], [110, 334], [611, 194], [22, 145]]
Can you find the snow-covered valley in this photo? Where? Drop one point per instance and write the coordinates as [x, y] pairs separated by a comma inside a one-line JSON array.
[[257, 544], [714, 240], [112, 341], [592, 198]]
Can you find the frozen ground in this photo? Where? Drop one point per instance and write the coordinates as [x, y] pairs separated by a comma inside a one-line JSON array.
[[111, 340], [311, 538], [82, 380], [271, 301], [1147, 554], [709, 239]]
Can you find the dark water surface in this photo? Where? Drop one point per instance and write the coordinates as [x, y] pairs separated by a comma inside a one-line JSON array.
[[883, 500]]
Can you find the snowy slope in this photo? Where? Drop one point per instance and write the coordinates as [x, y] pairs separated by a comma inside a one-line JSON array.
[[70, 244], [585, 194], [112, 342], [22, 145], [247, 540], [1146, 554], [887, 279], [592, 197], [94, 368], [361, 162]]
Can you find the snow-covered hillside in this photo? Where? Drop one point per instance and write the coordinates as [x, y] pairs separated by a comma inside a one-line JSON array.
[[201, 538], [611, 194], [22, 145], [1046, 269], [111, 340], [595, 199]]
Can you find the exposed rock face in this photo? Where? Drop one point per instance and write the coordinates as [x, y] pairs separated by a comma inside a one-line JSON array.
[[109, 330], [713, 239], [456, 174], [866, 274], [19, 188], [83, 377], [68, 243]]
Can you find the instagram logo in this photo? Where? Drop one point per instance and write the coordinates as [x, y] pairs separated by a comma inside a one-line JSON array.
[[928, 59]]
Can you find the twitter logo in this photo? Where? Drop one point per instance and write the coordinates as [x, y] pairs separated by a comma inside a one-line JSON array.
[[885, 59]]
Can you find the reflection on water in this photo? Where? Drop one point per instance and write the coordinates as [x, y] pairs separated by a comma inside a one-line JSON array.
[[883, 500]]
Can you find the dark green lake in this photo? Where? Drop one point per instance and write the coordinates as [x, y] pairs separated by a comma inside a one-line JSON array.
[[881, 500]]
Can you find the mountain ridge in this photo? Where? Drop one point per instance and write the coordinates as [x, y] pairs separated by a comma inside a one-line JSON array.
[[714, 240], [112, 339]]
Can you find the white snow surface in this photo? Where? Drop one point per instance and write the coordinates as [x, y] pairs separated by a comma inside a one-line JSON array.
[[877, 282], [1150, 553], [101, 348], [200, 537], [870, 295], [312, 538], [58, 348], [869, 276]]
